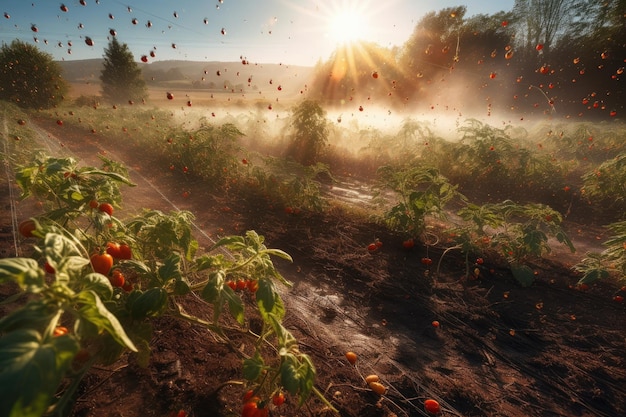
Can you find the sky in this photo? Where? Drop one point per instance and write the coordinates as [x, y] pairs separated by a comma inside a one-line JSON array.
[[295, 32]]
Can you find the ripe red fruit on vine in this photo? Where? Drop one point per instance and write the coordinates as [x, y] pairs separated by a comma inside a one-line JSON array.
[[427, 261], [113, 249], [252, 285], [408, 244], [101, 263], [372, 247], [278, 399], [125, 251], [106, 208], [432, 406], [618, 299], [118, 280], [93, 204]]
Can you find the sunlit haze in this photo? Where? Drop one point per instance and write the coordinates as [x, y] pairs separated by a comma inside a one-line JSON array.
[[276, 31]]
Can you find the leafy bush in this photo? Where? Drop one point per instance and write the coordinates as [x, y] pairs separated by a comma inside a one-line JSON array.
[[83, 304], [310, 132], [28, 77]]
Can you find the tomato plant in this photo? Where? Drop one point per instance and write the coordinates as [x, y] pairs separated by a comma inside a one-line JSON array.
[[421, 192], [27, 227], [107, 311]]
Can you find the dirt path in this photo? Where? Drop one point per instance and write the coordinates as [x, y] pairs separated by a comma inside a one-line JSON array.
[[499, 350]]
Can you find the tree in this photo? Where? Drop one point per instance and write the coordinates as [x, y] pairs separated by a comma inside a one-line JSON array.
[[541, 22], [121, 76], [310, 132], [29, 77]]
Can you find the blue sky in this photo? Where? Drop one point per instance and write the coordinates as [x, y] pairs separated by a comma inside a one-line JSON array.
[[298, 32]]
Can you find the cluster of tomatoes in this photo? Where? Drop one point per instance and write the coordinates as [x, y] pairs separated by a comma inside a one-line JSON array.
[[374, 246], [253, 406], [251, 285]]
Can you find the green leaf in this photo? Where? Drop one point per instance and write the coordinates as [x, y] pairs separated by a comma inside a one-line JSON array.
[[99, 284], [150, 303], [252, 367], [23, 271], [34, 315], [31, 370], [93, 310], [235, 305], [170, 268], [268, 300]]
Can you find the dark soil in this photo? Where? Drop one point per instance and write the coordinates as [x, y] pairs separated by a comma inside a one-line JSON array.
[[500, 349]]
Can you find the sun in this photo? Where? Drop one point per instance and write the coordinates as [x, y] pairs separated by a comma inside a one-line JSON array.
[[347, 25]]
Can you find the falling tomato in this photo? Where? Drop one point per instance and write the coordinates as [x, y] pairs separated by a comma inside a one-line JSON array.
[[88, 41], [64, 8], [170, 96], [539, 47]]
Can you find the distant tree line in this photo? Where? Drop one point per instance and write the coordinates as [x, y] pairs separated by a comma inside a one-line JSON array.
[[543, 56]]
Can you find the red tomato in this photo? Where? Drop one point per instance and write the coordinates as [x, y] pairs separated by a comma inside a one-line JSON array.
[[253, 285], [232, 285], [106, 208], [48, 268], [241, 284], [26, 228], [408, 244], [93, 204], [480, 261], [372, 247], [60, 331], [435, 323], [60, 122], [539, 47], [125, 251], [427, 261], [432, 406], [113, 249], [618, 299], [278, 399], [170, 96], [251, 409], [101, 262], [118, 280]]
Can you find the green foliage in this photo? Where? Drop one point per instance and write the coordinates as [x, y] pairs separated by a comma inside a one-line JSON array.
[[516, 232], [29, 77], [611, 260], [208, 152], [310, 132], [421, 192], [121, 76], [106, 321], [606, 185], [289, 183]]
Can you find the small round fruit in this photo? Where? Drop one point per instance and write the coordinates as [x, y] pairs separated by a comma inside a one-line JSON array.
[[60, 331], [372, 378], [125, 251], [372, 247], [93, 204], [27, 227], [377, 387], [118, 280], [408, 244], [351, 357], [101, 263], [435, 323], [432, 406], [106, 208], [278, 399], [113, 249]]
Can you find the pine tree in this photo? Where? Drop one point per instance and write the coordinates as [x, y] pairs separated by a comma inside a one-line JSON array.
[[121, 77], [29, 77]]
